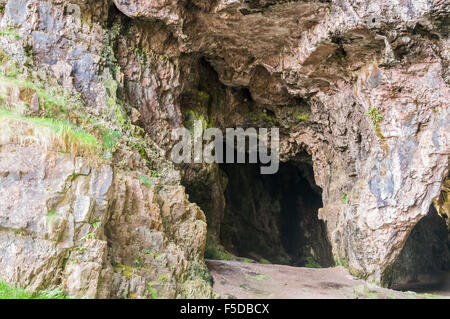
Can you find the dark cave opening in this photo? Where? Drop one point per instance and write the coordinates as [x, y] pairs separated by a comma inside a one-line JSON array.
[[270, 218], [274, 217], [423, 265]]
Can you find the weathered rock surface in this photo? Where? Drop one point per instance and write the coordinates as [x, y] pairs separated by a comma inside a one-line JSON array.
[[361, 86], [94, 231]]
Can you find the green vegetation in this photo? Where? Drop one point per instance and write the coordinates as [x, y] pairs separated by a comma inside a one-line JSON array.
[[139, 262], [344, 198], [63, 122], [263, 116], [264, 261], [429, 296], [152, 291], [364, 291], [142, 152], [302, 117], [88, 237], [163, 278], [261, 277], [312, 263], [50, 216], [51, 133], [117, 113], [203, 96], [10, 30], [372, 294], [375, 117], [149, 56], [95, 223], [155, 174], [10, 292], [145, 181], [217, 252], [356, 273], [155, 255], [110, 142], [190, 117], [340, 262], [56, 104], [120, 118], [126, 271], [56, 134], [199, 270], [54, 100]]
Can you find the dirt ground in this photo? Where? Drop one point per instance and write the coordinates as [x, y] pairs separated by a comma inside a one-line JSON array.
[[233, 279]]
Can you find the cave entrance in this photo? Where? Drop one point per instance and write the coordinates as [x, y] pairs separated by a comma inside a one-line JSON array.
[[423, 265], [274, 218]]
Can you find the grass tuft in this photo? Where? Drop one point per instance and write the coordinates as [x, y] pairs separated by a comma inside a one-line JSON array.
[[10, 292], [217, 252], [51, 134]]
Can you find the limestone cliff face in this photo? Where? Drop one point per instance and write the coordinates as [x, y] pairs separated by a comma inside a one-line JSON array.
[[362, 87]]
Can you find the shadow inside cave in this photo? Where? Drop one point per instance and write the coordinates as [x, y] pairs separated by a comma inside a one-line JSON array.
[[275, 217], [423, 265]]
